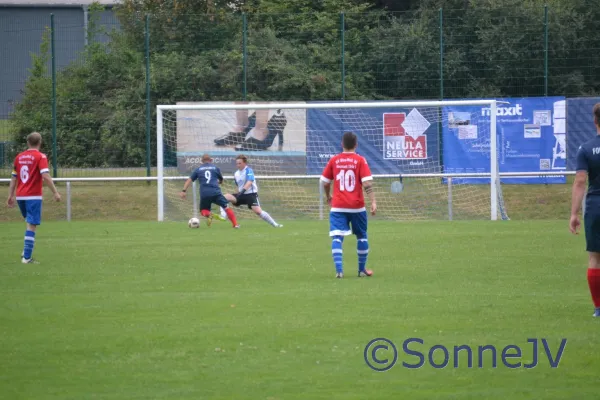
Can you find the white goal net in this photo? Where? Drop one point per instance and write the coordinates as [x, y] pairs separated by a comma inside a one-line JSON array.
[[289, 144]]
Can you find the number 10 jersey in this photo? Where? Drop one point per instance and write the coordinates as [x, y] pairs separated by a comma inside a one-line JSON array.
[[346, 172]]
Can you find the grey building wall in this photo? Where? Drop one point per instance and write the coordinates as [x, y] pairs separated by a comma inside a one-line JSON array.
[[21, 30]]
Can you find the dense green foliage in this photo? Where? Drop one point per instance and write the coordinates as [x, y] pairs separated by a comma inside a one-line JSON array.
[[293, 52]]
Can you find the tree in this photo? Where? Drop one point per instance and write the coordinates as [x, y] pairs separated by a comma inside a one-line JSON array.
[[34, 111], [294, 52]]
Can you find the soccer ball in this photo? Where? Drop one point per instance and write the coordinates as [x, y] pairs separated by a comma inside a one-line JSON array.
[[194, 223]]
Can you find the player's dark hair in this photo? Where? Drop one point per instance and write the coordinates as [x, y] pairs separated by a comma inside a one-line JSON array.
[[34, 139], [206, 158], [349, 140], [597, 114], [243, 158]]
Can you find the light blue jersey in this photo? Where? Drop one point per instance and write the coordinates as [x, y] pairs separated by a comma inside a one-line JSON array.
[[243, 176]]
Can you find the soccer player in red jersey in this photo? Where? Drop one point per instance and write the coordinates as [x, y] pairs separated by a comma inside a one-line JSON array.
[[30, 170], [349, 173]]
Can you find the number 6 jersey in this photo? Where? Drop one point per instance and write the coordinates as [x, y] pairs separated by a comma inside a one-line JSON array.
[[28, 169], [346, 172]]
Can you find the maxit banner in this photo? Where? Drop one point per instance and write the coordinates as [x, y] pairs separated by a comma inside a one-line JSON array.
[[531, 137]]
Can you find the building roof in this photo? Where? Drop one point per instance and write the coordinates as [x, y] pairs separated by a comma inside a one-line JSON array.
[[54, 3]]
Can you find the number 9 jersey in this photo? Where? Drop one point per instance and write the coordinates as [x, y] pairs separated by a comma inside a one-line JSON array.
[[346, 172], [28, 169]]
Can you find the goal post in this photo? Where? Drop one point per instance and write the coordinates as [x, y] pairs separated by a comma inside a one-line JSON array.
[[398, 138], [494, 176], [160, 157]]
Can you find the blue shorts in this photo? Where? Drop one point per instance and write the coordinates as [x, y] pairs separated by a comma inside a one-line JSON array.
[[340, 222], [207, 201], [591, 224], [31, 211]]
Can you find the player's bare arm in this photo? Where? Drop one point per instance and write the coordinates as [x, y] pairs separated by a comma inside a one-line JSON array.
[[186, 185], [368, 186], [12, 189], [327, 190], [50, 183], [577, 194]]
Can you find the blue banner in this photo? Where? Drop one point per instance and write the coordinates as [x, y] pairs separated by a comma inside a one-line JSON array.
[[580, 125], [531, 137], [394, 141]]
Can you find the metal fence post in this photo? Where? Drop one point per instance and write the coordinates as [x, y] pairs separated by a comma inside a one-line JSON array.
[[244, 56], [86, 20], [546, 50], [449, 198], [343, 53], [54, 155], [148, 111], [69, 201], [440, 114], [194, 200], [441, 54], [321, 200]]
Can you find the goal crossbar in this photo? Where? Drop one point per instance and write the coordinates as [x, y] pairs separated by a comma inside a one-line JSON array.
[[258, 106]]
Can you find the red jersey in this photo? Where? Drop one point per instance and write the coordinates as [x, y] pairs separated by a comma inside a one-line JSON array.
[[349, 170], [28, 169]]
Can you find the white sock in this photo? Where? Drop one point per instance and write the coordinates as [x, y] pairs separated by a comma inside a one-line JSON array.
[[223, 213], [265, 215]]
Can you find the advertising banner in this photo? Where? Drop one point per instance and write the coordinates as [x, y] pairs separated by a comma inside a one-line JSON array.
[[580, 125], [274, 140], [393, 140], [531, 137]]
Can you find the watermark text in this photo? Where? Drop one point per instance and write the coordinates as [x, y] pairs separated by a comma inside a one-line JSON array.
[[382, 354]]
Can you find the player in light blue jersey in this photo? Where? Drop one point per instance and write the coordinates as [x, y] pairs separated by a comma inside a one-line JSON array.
[[247, 194]]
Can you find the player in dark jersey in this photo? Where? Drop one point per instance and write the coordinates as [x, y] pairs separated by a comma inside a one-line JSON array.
[[210, 178], [588, 168]]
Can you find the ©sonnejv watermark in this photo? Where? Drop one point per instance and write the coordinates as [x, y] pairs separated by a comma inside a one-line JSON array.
[[381, 354]]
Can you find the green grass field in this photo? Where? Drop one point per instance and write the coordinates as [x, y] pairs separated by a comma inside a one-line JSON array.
[[421, 199], [146, 310]]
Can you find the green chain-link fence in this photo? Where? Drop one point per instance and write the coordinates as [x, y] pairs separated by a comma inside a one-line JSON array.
[[112, 68]]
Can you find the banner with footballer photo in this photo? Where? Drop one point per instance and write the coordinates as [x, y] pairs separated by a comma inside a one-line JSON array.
[[274, 140], [393, 140], [531, 137]]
